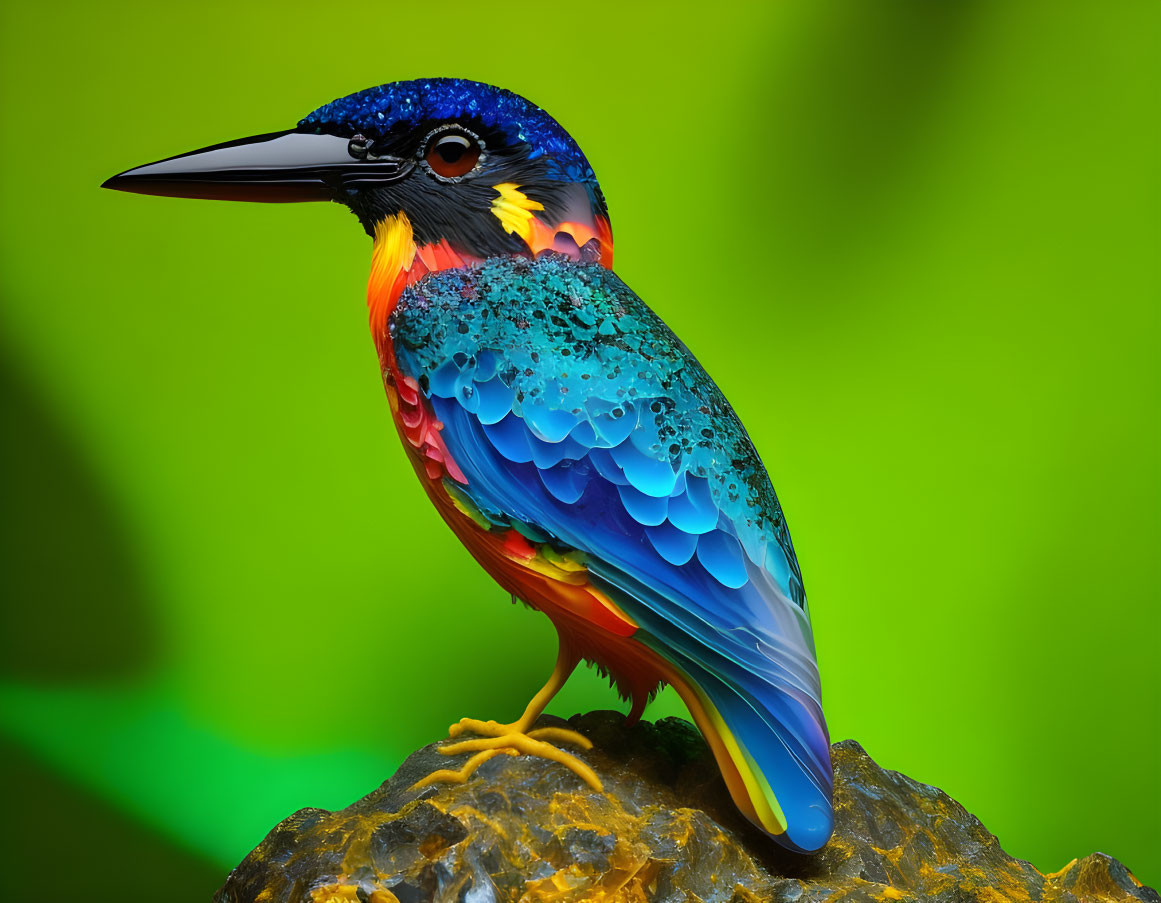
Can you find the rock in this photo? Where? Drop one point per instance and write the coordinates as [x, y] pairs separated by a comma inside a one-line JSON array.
[[526, 830]]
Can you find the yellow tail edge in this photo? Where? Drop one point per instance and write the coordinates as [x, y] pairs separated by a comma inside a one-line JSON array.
[[751, 792]]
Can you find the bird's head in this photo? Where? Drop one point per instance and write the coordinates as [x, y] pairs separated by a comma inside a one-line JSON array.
[[439, 172]]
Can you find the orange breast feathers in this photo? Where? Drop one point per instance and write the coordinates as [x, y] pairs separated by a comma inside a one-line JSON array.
[[396, 262], [557, 584]]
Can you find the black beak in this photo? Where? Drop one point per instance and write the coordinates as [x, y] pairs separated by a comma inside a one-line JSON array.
[[278, 167]]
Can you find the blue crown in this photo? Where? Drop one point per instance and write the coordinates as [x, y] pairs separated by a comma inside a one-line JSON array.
[[375, 111]]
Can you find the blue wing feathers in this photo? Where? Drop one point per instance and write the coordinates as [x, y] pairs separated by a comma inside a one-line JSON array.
[[673, 544], [572, 409], [567, 351]]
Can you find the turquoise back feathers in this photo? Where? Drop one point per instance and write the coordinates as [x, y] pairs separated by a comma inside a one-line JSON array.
[[568, 350]]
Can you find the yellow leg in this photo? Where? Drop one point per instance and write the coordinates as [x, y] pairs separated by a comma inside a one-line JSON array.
[[565, 665], [516, 738]]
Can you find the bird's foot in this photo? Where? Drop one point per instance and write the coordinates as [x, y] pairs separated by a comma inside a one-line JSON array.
[[513, 740]]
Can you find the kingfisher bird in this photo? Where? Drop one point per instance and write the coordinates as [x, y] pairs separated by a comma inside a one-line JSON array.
[[570, 440]]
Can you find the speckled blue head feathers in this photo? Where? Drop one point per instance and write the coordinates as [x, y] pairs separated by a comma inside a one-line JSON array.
[[402, 107]]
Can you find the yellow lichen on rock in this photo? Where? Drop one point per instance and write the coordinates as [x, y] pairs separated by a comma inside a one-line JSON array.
[[528, 830], [335, 893]]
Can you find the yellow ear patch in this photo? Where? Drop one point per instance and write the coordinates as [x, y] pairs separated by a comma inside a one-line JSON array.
[[514, 209]]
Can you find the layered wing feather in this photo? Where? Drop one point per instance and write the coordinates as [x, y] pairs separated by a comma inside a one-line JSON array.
[[574, 412]]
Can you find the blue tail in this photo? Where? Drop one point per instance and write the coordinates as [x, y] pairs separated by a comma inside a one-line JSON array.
[[771, 746]]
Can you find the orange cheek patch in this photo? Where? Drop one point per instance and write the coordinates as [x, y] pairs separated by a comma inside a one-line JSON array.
[[569, 238]]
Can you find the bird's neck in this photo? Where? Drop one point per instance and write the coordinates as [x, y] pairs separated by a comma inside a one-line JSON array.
[[397, 261]]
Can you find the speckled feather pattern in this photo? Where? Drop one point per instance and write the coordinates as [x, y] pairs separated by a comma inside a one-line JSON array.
[[407, 104], [571, 351]]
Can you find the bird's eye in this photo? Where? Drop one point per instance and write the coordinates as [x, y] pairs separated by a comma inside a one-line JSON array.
[[452, 154]]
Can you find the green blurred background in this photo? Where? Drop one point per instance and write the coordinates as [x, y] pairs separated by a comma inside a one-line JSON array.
[[916, 243]]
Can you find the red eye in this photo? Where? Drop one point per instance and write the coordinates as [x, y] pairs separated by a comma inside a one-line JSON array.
[[452, 154]]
